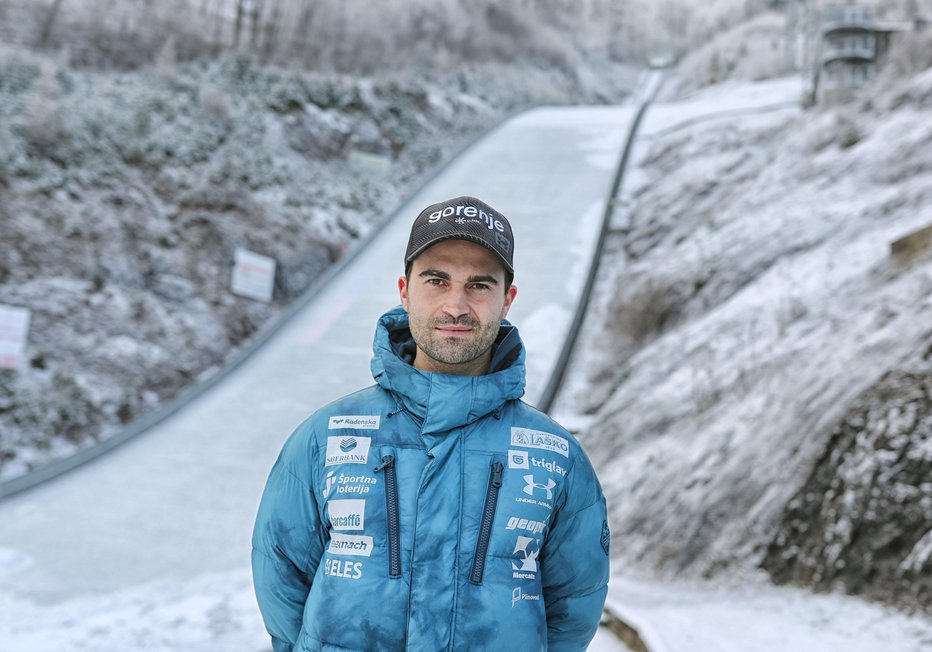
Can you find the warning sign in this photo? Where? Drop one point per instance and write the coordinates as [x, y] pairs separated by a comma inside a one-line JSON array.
[[253, 275]]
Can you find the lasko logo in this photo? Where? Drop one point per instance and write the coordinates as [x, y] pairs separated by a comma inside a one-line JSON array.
[[532, 486], [351, 570], [349, 514], [347, 450], [538, 439], [553, 467], [534, 527], [468, 211], [355, 422], [358, 545], [526, 550], [518, 460], [348, 484], [518, 595]]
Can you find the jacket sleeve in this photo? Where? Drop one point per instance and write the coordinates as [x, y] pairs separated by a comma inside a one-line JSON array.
[[287, 544], [575, 562]]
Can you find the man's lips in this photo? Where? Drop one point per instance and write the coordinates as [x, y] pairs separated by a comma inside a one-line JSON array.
[[454, 330]]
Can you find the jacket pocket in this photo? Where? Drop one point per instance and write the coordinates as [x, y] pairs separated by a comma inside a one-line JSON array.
[[391, 511], [496, 470]]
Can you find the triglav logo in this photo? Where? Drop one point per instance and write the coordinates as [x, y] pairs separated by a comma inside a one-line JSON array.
[[355, 422], [533, 486], [538, 439], [518, 460], [347, 450], [553, 467]]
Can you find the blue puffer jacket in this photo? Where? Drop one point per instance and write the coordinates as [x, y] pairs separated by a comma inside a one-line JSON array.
[[431, 512]]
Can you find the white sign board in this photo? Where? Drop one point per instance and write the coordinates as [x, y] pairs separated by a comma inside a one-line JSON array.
[[376, 165], [14, 326], [253, 275]]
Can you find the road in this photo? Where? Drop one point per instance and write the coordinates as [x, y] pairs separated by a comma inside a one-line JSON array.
[[178, 502]]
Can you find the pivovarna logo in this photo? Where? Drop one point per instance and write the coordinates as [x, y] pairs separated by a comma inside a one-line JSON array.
[[347, 450]]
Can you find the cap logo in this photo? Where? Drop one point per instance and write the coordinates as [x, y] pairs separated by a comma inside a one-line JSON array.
[[462, 211]]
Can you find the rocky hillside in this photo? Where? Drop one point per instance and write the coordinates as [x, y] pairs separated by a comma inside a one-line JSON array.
[[764, 400]]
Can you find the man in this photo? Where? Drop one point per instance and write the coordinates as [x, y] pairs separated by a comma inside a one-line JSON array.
[[435, 510]]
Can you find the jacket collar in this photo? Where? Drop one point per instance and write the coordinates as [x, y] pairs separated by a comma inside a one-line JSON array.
[[445, 401]]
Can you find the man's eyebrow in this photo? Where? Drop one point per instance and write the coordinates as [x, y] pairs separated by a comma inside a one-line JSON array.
[[434, 273], [476, 278]]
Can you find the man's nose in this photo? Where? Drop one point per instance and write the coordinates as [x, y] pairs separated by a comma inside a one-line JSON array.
[[455, 303]]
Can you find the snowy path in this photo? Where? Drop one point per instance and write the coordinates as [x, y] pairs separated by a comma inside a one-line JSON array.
[[176, 505]]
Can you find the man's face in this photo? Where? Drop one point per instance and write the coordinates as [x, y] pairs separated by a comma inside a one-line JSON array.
[[455, 298]]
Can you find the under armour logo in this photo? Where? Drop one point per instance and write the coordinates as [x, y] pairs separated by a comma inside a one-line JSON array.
[[531, 486], [528, 559]]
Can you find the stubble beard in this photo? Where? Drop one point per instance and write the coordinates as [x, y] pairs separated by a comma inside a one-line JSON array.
[[452, 350]]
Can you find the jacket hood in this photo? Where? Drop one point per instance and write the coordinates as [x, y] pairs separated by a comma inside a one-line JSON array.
[[445, 401]]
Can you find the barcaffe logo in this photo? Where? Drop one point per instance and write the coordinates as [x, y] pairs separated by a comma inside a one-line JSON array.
[[518, 460], [358, 545], [355, 422], [347, 450], [538, 439], [348, 514]]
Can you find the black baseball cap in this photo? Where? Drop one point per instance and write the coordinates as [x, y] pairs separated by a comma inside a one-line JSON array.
[[462, 218]]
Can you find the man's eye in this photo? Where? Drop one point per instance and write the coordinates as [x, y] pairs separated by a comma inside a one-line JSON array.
[[435, 281], [480, 286]]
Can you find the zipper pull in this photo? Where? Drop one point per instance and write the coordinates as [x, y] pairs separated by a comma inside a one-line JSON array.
[[387, 460], [497, 470]]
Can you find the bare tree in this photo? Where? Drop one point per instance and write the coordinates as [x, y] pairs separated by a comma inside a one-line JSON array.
[[49, 23]]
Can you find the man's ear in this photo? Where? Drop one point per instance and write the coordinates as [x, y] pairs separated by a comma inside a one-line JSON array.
[[510, 295], [403, 292]]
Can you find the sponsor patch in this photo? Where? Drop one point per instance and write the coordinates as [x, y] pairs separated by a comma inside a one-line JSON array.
[[538, 439], [531, 486], [606, 537], [347, 514], [351, 570], [518, 460], [340, 483], [534, 527], [524, 565], [347, 450], [547, 465], [356, 422], [518, 595], [358, 545]]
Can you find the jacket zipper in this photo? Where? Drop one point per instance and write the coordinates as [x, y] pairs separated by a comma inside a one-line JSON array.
[[488, 517], [391, 508]]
